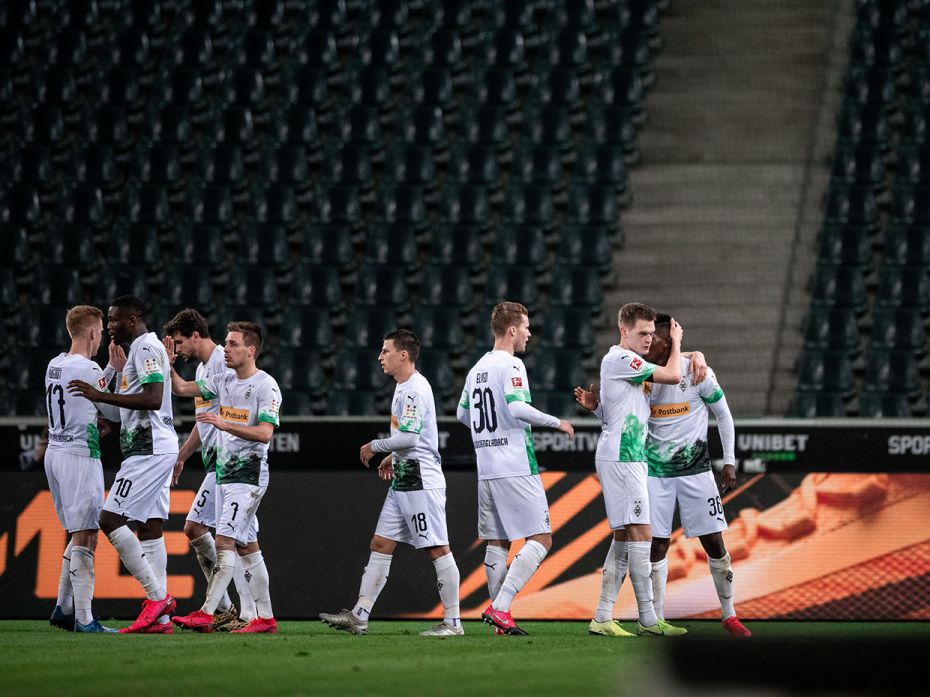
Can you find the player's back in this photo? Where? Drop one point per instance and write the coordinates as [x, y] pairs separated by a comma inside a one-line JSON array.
[[503, 444], [72, 420]]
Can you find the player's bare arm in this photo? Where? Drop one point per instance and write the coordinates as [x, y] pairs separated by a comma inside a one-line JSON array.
[[260, 433], [148, 399], [191, 445], [698, 366], [670, 374]]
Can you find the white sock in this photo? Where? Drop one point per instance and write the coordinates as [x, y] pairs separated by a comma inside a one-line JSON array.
[[130, 553], [722, 573], [447, 581], [157, 555], [641, 578], [495, 568], [659, 579], [219, 579], [65, 593], [615, 566], [373, 581], [82, 581], [247, 610], [205, 549], [523, 567], [256, 574]]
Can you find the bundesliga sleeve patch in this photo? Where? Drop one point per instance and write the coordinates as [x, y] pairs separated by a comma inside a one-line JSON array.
[[636, 363], [102, 383], [517, 381]]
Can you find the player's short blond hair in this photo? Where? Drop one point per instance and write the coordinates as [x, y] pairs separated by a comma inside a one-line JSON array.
[[81, 318], [506, 315], [632, 312]]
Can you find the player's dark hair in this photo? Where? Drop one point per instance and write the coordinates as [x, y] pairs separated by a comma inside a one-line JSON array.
[[506, 315], [405, 340], [251, 334], [132, 303], [663, 320], [632, 312], [186, 322]]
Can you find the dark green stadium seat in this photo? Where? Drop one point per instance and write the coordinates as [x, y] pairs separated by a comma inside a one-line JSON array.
[[440, 328], [517, 283], [559, 86], [296, 125], [318, 48], [370, 86], [807, 405], [170, 123], [252, 285], [602, 164], [382, 286], [521, 245], [593, 204], [354, 404], [402, 203], [194, 49], [589, 245], [223, 165], [907, 245], [359, 370], [475, 164], [266, 245], [135, 245], [459, 244], [443, 47], [366, 327], [566, 328], [211, 205], [555, 370], [436, 366], [349, 163], [9, 294], [466, 204], [623, 87], [277, 204], [913, 165], [853, 205], [560, 403], [58, 285], [849, 245], [826, 371], [895, 371], [84, 205], [538, 164], [863, 166], [324, 244], [201, 245], [424, 125], [900, 329], [46, 124], [46, 330], [871, 86], [148, 204], [910, 204], [881, 404], [434, 86], [570, 48], [188, 286], [840, 287], [916, 128], [21, 206], [529, 204], [295, 368], [16, 250], [864, 125], [152, 164], [904, 287], [123, 87], [33, 165], [308, 328], [308, 86], [258, 48], [628, 48], [411, 164], [30, 369], [32, 402], [393, 244], [182, 85], [446, 286], [487, 125], [115, 281], [497, 87], [575, 287], [360, 123], [298, 403], [829, 328]]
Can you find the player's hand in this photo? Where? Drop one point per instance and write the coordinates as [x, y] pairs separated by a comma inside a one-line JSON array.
[[566, 427], [103, 427], [79, 388], [176, 473], [586, 397], [212, 419], [729, 478], [698, 367], [386, 468], [675, 332], [365, 454], [117, 357], [170, 349]]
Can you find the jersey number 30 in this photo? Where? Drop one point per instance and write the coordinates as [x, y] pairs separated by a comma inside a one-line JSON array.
[[487, 415]]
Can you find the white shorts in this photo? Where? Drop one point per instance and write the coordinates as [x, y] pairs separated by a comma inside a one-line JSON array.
[[416, 518], [626, 494], [142, 487], [512, 508], [76, 483], [203, 509], [698, 501], [237, 508]]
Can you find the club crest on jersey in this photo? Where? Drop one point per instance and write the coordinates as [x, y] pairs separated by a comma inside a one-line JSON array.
[[516, 381], [248, 392], [150, 365], [637, 508], [683, 385], [636, 363]]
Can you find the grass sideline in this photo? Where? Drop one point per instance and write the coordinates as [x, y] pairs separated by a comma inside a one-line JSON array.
[[308, 658]]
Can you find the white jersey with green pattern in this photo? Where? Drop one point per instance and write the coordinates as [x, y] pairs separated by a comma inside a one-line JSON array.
[[143, 431], [624, 406], [414, 411], [248, 402], [72, 420], [503, 444], [209, 435], [677, 442]]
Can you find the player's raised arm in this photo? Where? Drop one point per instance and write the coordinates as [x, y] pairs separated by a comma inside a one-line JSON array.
[[670, 373]]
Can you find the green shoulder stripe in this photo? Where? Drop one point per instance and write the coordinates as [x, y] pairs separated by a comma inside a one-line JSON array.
[[268, 419], [643, 376], [205, 393], [151, 377], [715, 397]]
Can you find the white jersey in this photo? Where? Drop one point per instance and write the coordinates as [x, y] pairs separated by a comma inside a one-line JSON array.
[[246, 402], [677, 442], [625, 409], [503, 443], [414, 411], [72, 420], [209, 435], [143, 431]]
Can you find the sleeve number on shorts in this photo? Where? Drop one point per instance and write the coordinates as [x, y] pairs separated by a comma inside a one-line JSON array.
[[483, 401], [52, 389], [715, 507], [235, 506], [419, 522], [122, 486]]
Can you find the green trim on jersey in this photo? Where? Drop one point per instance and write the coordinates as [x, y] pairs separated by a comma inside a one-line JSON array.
[[404, 428], [208, 454], [685, 460], [137, 441], [518, 396], [204, 392], [464, 403], [715, 397], [268, 419], [407, 476], [151, 377], [530, 451], [93, 441], [238, 470], [633, 440], [643, 376]]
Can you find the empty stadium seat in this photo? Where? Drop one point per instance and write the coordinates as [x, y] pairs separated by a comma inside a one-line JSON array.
[[517, 245], [440, 328], [832, 328], [446, 286], [904, 287], [327, 245], [309, 329], [826, 371], [393, 244], [366, 327], [317, 286], [900, 329], [894, 371]]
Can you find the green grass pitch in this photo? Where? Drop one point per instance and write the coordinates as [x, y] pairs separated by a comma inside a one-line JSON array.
[[308, 658]]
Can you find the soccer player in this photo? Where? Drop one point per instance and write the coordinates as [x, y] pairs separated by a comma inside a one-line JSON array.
[[72, 464], [150, 448], [414, 511], [680, 471], [250, 401], [187, 335], [620, 461], [512, 504]]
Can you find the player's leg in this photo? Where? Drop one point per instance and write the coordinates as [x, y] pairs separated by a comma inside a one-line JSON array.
[[63, 615], [151, 533], [491, 528], [256, 574], [200, 518], [721, 571], [616, 563], [662, 501], [427, 515]]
